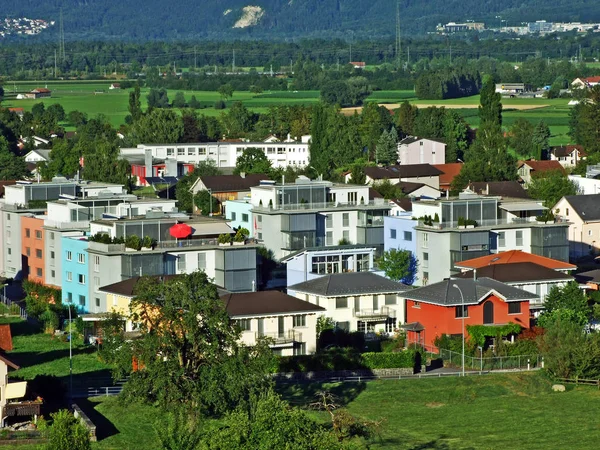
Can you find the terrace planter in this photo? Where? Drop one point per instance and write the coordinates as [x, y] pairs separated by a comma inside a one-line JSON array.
[[239, 243], [227, 244]]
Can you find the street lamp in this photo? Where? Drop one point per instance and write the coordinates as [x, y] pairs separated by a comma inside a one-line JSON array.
[[462, 313]]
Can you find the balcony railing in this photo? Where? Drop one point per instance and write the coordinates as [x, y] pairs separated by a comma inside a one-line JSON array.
[[19, 409], [167, 245], [381, 313], [324, 205], [285, 338], [84, 225], [483, 223]]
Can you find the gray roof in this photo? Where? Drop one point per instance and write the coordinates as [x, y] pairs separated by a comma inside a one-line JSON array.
[[474, 291], [266, 302], [351, 283], [411, 139], [518, 273], [586, 206], [591, 276]]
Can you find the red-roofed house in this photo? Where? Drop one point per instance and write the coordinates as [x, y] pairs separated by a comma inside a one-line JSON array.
[[449, 172], [567, 155], [39, 93], [531, 168], [358, 64], [514, 256], [585, 82]]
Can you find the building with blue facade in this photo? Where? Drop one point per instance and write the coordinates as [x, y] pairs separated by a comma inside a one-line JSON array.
[[399, 232], [75, 272], [238, 213]]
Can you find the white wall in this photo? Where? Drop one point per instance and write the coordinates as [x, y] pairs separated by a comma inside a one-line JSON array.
[[586, 185]]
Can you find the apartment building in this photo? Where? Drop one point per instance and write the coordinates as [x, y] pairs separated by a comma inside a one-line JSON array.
[[225, 154], [496, 225], [291, 217], [416, 150]]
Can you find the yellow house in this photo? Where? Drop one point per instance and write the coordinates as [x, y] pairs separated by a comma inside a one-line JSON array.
[[583, 213]]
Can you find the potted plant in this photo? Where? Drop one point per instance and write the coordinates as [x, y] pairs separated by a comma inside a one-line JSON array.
[[270, 204], [461, 222], [260, 203], [148, 243], [240, 236], [133, 243], [470, 223], [224, 240]]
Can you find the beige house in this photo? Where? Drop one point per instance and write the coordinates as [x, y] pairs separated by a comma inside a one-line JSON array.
[[529, 169], [583, 214], [13, 391], [289, 322], [360, 301]]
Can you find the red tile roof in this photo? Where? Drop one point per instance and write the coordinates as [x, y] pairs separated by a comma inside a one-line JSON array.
[[514, 256], [449, 172], [592, 79], [543, 166]]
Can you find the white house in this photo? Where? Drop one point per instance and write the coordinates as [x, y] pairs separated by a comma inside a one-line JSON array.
[[38, 155], [567, 155], [415, 150]]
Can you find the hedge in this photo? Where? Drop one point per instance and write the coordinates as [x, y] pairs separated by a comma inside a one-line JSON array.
[[346, 359]]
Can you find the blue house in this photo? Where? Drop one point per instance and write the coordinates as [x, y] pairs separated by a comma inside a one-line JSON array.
[[75, 272], [238, 213], [400, 234]]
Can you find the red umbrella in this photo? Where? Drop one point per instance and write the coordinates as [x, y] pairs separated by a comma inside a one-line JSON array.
[[180, 230]]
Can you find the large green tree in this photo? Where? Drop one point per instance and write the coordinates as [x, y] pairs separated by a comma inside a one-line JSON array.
[[551, 187], [585, 121], [387, 147], [159, 126], [12, 167], [188, 349], [565, 303], [135, 105], [521, 138], [252, 160], [399, 265]]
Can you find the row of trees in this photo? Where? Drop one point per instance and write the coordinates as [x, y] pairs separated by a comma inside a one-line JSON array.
[[448, 83]]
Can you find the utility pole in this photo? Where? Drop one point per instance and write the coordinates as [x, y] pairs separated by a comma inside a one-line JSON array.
[[233, 62], [54, 63], [398, 39], [195, 59]]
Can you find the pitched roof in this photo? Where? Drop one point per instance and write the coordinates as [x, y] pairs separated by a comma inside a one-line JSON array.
[[595, 79], [404, 203], [448, 172], [414, 170], [543, 166], [591, 276], [510, 189], [266, 302], [233, 183], [8, 362], [514, 256], [516, 272], [351, 283], [473, 291], [41, 90], [378, 173], [586, 206], [410, 139], [566, 150]]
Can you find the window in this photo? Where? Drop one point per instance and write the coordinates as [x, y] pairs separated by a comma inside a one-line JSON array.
[[425, 259], [392, 233], [8, 217], [300, 348], [38, 234], [27, 251], [567, 211], [589, 232], [244, 217], [51, 234], [82, 300], [259, 236], [181, 152], [352, 197], [70, 297], [9, 250], [408, 235], [69, 276], [390, 299], [361, 326], [329, 221], [300, 321], [329, 238], [81, 278], [96, 282], [191, 151], [181, 263], [244, 324], [53, 274], [346, 235], [69, 256], [341, 302], [416, 305], [425, 278], [514, 308], [38, 253], [201, 261], [501, 239], [201, 151], [96, 263], [97, 302], [457, 311], [170, 152], [39, 272], [81, 258], [519, 236], [259, 219], [345, 219], [425, 242], [233, 216], [51, 254], [390, 325], [27, 232], [332, 197]]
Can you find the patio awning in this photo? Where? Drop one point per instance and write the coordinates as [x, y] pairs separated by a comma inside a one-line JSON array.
[[415, 326], [522, 206]]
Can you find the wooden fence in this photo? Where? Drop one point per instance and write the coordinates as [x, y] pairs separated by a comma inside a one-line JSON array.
[[580, 381]]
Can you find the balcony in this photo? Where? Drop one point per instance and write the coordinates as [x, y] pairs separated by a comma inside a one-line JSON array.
[[384, 312], [20, 409], [319, 206], [282, 339], [61, 225], [508, 222]]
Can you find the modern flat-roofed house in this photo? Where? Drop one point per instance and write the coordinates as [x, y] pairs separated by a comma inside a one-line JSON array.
[[416, 150], [438, 308], [290, 323], [360, 301]]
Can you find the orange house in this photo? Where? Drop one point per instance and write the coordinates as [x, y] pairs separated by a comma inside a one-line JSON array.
[[32, 248], [436, 309]]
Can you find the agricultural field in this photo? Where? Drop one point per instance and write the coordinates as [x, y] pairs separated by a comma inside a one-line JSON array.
[[95, 98]]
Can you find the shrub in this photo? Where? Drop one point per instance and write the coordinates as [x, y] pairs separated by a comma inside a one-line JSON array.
[[224, 239], [220, 104], [148, 242], [241, 235], [133, 241], [67, 432]]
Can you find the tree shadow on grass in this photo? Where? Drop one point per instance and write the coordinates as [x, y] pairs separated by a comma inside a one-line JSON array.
[[104, 427], [28, 359], [303, 394], [24, 328]]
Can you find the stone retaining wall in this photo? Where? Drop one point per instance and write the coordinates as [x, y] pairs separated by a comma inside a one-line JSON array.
[[85, 420]]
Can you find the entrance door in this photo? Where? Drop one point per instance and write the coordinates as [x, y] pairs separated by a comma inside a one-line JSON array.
[[261, 327], [280, 329], [488, 313], [375, 302]]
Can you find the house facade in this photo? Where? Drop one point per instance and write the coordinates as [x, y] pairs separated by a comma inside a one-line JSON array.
[[528, 169], [360, 301], [582, 214], [567, 155], [415, 150], [32, 248], [439, 308], [586, 186]]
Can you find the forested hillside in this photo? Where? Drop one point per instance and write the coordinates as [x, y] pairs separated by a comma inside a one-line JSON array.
[[178, 19]]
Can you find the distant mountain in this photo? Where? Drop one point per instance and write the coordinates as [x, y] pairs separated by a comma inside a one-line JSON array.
[[281, 19]]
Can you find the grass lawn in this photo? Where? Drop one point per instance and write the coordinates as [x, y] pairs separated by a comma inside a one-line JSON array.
[[42, 354]]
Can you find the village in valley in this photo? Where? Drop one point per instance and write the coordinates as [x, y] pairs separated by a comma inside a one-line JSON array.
[[308, 256]]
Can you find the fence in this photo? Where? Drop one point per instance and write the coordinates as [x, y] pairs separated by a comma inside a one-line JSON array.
[[11, 304], [494, 363], [580, 381]]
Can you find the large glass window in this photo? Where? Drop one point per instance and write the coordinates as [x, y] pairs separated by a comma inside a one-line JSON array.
[[345, 219], [244, 324], [300, 321], [341, 302], [519, 238], [408, 235], [392, 233], [514, 308], [501, 239], [326, 264]]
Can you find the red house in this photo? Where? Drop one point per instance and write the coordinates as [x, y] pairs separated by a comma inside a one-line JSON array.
[[435, 310]]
